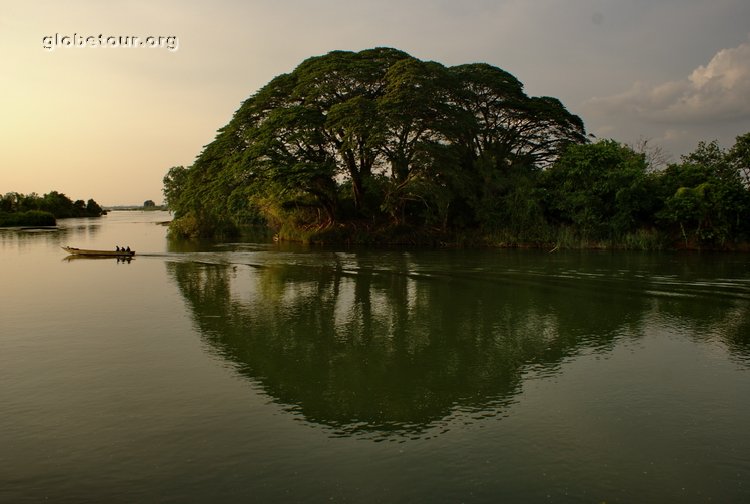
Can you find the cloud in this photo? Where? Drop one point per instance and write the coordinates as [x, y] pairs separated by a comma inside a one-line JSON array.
[[715, 92]]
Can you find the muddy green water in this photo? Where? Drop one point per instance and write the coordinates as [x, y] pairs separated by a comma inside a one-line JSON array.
[[253, 372]]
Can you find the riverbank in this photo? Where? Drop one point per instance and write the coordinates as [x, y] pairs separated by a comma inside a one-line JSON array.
[[551, 239]]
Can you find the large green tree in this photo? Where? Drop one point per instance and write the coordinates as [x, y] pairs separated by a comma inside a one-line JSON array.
[[376, 136]]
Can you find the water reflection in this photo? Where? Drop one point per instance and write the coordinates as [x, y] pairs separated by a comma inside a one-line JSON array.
[[94, 232], [84, 258], [20, 238], [395, 343], [24, 239]]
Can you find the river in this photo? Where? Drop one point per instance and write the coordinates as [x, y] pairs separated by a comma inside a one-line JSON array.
[[263, 372]]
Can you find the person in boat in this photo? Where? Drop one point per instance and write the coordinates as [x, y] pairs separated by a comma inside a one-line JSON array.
[[127, 249], [117, 248]]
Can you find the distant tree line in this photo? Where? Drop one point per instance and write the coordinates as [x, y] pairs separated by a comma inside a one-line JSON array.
[[17, 209], [378, 146]]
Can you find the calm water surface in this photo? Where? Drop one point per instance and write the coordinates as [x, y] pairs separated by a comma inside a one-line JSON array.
[[262, 373]]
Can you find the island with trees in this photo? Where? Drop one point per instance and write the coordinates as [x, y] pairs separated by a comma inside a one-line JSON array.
[[17, 209], [377, 146]]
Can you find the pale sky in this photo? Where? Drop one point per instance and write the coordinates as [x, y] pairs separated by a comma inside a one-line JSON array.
[[108, 122]]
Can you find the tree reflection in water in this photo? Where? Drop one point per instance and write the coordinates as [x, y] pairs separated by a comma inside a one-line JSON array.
[[393, 347]]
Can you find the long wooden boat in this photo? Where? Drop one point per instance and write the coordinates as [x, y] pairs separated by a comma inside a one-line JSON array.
[[98, 253]]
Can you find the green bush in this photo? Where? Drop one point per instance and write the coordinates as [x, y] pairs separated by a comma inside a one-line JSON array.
[[29, 218]]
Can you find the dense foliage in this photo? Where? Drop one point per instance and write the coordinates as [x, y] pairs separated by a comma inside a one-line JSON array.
[[374, 138], [605, 191], [380, 146], [33, 210]]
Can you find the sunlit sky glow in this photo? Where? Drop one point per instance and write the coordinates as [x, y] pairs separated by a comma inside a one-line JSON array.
[[107, 123]]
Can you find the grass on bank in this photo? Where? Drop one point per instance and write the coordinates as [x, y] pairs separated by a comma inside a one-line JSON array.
[[371, 233]]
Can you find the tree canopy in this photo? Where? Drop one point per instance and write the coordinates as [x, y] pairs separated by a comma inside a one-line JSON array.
[[376, 136], [32, 209], [379, 146]]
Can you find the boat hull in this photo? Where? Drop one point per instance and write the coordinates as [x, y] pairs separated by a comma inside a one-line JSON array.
[[98, 253]]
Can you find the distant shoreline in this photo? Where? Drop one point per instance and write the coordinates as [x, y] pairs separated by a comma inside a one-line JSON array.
[[135, 207]]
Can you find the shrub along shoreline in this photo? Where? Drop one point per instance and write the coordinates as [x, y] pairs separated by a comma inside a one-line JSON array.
[[31, 218], [32, 210]]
